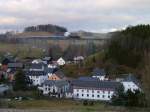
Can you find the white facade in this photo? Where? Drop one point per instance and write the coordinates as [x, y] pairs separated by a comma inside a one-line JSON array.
[[54, 90], [52, 66], [47, 89], [92, 94], [130, 86], [37, 80], [61, 61]]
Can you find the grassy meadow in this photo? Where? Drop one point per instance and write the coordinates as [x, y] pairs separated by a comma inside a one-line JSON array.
[[20, 50], [68, 105]]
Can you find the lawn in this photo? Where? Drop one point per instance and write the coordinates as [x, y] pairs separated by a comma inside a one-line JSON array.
[[69, 105], [20, 50]]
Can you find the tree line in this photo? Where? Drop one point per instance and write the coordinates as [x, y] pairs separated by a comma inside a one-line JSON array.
[[46, 28], [128, 47]]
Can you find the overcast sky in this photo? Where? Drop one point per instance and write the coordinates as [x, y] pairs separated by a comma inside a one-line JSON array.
[[90, 15]]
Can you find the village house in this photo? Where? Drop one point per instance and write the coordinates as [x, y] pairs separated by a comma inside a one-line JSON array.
[[94, 90], [57, 75], [10, 74], [61, 61], [47, 60], [131, 83], [37, 77], [36, 73], [99, 73], [37, 61], [78, 59], [55, 88]]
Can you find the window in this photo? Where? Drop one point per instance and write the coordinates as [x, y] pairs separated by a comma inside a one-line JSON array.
[[77, 90], [87, 95], [108, 92], [108, 96], [103, 96], [97, 96], [82, 94], [87, 90], [92, 91], [103, 91], [77, 94], [82, 90], [97, 91], [92, 95]]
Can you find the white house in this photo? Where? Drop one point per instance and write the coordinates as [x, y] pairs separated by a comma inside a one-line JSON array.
[[94, 90], [61, 61], [131, 83], [36, 74], [55, 88], [78, 59], [99, 73], [37, 61], [37, 77], [53, 66]]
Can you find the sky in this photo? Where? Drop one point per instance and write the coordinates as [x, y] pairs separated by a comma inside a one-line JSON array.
[[88, 15]]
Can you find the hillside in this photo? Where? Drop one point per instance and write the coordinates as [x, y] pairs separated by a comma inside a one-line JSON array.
[[131, 48], [34, 34], [91, 35]]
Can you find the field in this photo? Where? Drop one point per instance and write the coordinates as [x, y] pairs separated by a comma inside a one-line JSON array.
[[20, 50], [66, 106]]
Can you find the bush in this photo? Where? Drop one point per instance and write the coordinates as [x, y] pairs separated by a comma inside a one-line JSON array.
[[91, 103], [85, 102]]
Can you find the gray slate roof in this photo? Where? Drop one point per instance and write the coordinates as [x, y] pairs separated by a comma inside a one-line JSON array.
[[60, 74], [58, 83], [50, 70], [15, 65], [35, 73], [96, 84], [37, 66]]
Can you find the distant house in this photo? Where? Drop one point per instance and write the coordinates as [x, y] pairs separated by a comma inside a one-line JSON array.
[[47, 59], [37, 61], [55, 88], [94, 90], [15, 66], [61, 61], [52, 66], [50, 71], [131, 83], [37, 77], [99, 73], [78, 59], [58, 75]]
